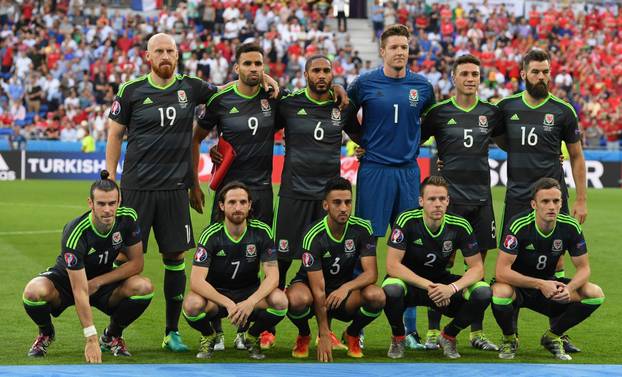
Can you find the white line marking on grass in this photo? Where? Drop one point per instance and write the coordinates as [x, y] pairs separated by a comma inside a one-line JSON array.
[[25, 232], [36, 204]]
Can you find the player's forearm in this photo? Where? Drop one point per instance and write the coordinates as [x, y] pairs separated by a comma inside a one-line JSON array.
[[206, 290], [130, 268], [83, 306], [578, 174], [268, 285], [319, 307], [402, 272], [196, 157], [517, 279], [363, 280], [113, 152], [581, 276], [471, 276]]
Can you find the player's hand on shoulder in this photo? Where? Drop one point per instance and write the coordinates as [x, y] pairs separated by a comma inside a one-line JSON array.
[[334, 300], [359, 152], [270, 85], [197, 198], [92, 352], [324, 349], [214, 155], [440, 164], [340, 96]]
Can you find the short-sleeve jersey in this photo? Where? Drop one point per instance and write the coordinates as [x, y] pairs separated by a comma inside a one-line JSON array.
[[234, 264], [336, 258], [537, 253], [313, 136], [83, 247], [427, 254], [159, 130], [248, 124], [391, 115], [534, 135], [462, 138]]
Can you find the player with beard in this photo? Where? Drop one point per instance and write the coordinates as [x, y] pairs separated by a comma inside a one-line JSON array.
[[157, 110], [535, 124], [225, 274], [313, 134]]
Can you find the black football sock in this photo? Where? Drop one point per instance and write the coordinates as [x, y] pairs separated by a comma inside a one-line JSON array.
[[174, 287], [39, 312], [362, 317], [576, 313], [394, 308], [504, 310], [266, 319], [128, 310], [200, 322], [434, 319], [301, 320]]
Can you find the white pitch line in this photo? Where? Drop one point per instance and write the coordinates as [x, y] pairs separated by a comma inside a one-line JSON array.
[[36, 204], [25, 232]]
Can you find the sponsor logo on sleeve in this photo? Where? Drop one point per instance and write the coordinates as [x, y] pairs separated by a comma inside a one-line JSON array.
[[397, 236], [510, 242], [307, 259], [201, 255]]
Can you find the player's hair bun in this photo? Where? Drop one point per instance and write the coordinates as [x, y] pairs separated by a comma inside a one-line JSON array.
[[104, 174]]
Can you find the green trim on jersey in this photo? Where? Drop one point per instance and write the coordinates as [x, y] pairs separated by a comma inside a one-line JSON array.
[[321, 103], [440, 229], [261, 225], [536, 106], [435, 106], [455, 220], [362, 222], [209, 231], [76, 233], [563, 218], [296, 93], [559, 100], [455, 103], [308, 238], [150, 80], [330, 235], [219, 93], [235, 89], [95, 229], [127, 83], [517, 95], [230, 237], [405, 216], [522, 221], [127, 211], [541, 233]]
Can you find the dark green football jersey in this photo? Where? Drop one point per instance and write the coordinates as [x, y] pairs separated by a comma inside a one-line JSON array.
[[537, 253], [313, 136], [336, 258], [462, 138], [248, 124], [234, 264], [159, 130], [427, 254], [534, 135], [82, 246]]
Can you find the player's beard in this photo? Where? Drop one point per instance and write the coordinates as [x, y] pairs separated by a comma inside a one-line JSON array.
[[251, 81], [314, 88], [165, 71], [539, 90]]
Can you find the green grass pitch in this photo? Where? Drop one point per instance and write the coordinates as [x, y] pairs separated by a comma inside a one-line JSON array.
[[32, 214]]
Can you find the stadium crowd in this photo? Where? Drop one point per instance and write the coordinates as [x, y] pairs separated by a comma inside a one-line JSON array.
[[62, 62]]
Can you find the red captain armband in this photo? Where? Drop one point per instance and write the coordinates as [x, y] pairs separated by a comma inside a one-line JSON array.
[[219, 171]]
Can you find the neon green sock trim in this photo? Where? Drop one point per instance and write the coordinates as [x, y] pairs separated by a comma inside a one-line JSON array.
[[115, 264], [148, 296], [195, 318], [560, 274], [299, 316], [501, 300], [277, 312], [469, 290], [33, 303], [593, 301], [179, 267], [389, 281], [509, 338], [370, 314], [475, 334]]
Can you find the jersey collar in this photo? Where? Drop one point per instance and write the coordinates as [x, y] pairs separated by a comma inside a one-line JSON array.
[[230, 237], [538, 105], [455, 103], [95, 228], [161, 87], [330, 235], [440, 229], [321, 103], [235, 89]]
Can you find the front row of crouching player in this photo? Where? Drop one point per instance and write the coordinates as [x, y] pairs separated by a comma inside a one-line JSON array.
[[336, 278]]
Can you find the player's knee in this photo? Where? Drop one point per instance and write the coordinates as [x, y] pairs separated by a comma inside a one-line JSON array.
[[393, 291], [142, 286], [374, 296], [502, 290], [592, 290], [36, 290], [193, 305], [481, 294], [299, 300], [278, 300]]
